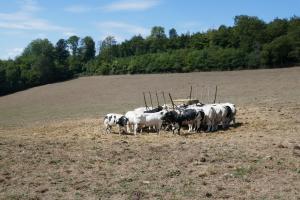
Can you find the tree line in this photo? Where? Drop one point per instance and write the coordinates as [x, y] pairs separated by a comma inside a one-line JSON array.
[[250, 43]]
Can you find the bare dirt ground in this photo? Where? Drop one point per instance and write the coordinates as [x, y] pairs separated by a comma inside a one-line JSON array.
[[52, 145]]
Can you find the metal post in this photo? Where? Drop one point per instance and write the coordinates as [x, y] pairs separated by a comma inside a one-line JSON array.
[[171, 101], [191, 92], [151, 99], [163, 93], [157, 99], [145, 100], [216, 94]]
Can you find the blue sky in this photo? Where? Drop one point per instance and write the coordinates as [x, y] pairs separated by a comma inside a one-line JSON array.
[[22, 21]]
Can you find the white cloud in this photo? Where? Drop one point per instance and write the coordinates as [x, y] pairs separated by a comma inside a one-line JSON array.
[[131, 5], [113, 26], [31, 24], [30, 6], [120, 30], [121, 5], [69, 33], [78, 8], [25, 19], [12, 53]]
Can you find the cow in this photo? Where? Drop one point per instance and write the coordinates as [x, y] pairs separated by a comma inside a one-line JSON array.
[[113, 119], [231, 112], [209, 117], [154, 110], [142, 109], [225, 113], [149, 120], [130, 115], [179, 117]]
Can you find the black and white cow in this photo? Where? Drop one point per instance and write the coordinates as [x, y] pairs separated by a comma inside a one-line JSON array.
[[180, 117], [231, 112], [113, 119]]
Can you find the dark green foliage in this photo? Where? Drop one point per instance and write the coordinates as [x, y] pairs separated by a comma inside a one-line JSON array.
[[279, 52], [250, 43], [73, 43], [87, 49], [61, 52], [61, 60], [173, 33], [249, 31], [39, 58]]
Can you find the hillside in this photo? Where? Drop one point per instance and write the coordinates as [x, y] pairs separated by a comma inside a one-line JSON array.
[[53, 144], [97, 95]]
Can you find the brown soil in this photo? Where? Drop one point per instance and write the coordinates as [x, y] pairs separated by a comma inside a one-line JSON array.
[[52, 143]]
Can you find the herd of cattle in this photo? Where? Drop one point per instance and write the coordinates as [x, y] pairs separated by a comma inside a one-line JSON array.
[[197, 117]]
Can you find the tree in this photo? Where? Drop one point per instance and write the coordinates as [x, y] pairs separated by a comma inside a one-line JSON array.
[[108, 42], [158, 32], [61, 52], [40, 56], [276, 28], [3, 82], [73, 42], [199, 41], [223, 37], [278, 52], [249, 31], [137, 45], [173, 33], [62, 57], [108, 48], [87, 49], [157, 40]]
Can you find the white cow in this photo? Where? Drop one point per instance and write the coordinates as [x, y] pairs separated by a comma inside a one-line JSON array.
[[130, 115], [149, 120]]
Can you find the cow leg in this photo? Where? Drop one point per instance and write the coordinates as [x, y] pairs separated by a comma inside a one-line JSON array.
[[124, 129], [135, 129], [209, 127], [141, 127], [173, 128], [190, 128], [179, 127], [108, 129], [119, 130], [198, 126], [128, 128]]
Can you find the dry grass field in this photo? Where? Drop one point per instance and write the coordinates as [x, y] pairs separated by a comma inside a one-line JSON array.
[[52, 143]]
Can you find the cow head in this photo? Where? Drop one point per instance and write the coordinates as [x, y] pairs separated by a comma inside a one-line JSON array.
[[122, 121]]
